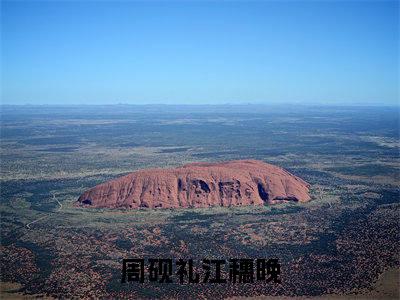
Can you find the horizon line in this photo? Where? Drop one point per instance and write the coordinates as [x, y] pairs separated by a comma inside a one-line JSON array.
[[211, 104]]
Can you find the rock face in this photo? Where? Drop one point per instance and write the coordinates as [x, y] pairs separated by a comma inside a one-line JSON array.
[[232, 183]]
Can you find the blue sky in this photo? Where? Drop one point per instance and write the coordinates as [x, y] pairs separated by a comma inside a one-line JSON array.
[[317, 52]]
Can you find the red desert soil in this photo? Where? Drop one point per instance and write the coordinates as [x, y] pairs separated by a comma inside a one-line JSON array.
[[231, 183]]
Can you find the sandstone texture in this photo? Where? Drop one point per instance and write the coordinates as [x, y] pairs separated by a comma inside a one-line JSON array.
[[231, 183]]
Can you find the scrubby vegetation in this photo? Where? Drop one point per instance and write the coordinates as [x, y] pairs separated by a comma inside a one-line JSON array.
[[338, 243]]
